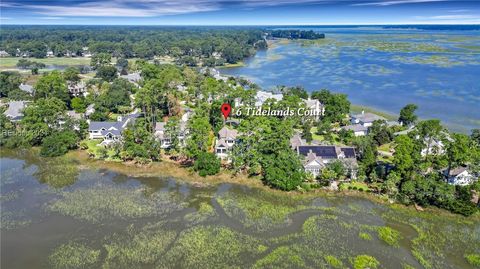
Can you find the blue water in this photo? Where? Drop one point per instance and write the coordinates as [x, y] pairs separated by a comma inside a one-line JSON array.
[[385, 69]]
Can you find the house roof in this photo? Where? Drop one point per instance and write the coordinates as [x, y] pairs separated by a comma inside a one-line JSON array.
[[97, 125], [296, 141], [226, 133], [367, 117], [326, 152], [74, 115], [15, 108], [356, 128], [132, 77], [26, 88], [457, 171]]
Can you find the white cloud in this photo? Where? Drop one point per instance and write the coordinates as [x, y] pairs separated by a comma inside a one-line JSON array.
[[396, 2]]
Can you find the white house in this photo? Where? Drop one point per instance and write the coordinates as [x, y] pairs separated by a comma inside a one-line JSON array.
[[315, 106], [358, 129], [459, 176], [77, 88], [262, 96], [365, 119], [434, 147], [225, 141]]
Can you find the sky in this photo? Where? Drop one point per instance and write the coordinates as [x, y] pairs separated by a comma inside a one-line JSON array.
[[238, 12]]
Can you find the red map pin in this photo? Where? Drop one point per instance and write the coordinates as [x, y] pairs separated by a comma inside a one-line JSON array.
[[226, 108]]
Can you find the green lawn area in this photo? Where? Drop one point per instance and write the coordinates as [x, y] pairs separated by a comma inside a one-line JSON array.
[[94, 147], [358, 109], [385, 147], [315, 136], [10, 62], [354, 185]]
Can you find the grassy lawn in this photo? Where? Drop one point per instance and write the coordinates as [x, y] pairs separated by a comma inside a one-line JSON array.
[[10, 62], [94, 147], [385, 147], [315, 136], [358, 109], [354, 185]]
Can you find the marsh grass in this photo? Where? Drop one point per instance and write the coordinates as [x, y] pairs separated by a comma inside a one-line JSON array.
[[135, 247], [105, 202], [364, 262], [74, 255], [473, 259], [211, 247], [389, 236]]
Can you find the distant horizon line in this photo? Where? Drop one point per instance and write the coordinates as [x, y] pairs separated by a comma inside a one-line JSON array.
[[350, 24]]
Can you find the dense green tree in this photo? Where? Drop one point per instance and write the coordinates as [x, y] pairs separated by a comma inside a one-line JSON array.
[[41, 119], [458, 150], [50, 85], [407, 115], [71, 74], [107, 73], [404, 156], [336, 104], [200, 130], [78, 104], [9, 81], [207, 164], [59, 143], [283, 170], [100, 59]]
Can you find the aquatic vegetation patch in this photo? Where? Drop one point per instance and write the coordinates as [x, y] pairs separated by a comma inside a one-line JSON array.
[[137, 247], [365, 236], [333, 261], [473, 259], [364, 262], [204, 212], [261, 212], [389, 235], [104, 202], [74, 255], [211, 247], [12, 220], [57, 172], [281, 257]]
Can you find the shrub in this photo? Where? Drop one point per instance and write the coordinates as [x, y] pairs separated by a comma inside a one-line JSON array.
[[207, 164], [333, 261], [58, 144]]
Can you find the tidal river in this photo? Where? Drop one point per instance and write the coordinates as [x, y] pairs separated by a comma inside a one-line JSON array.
[[382, 68], [60, 213]]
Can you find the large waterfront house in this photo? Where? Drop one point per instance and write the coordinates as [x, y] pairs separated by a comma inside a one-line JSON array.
[[110, 131], [459, 176], [263, 96], [15, 110], [361, 122], [225, 141], [317, 157]]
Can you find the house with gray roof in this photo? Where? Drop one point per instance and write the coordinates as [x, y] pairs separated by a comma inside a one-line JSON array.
[[165, 139], [133, 77], [459, 176], [358, 129], [110, 131], [26, 88], [263, 96], [15, 110], [317, 157], [365, 119], [226, 140]]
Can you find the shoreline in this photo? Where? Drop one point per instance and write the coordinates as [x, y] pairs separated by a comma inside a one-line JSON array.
[[167, 168]]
